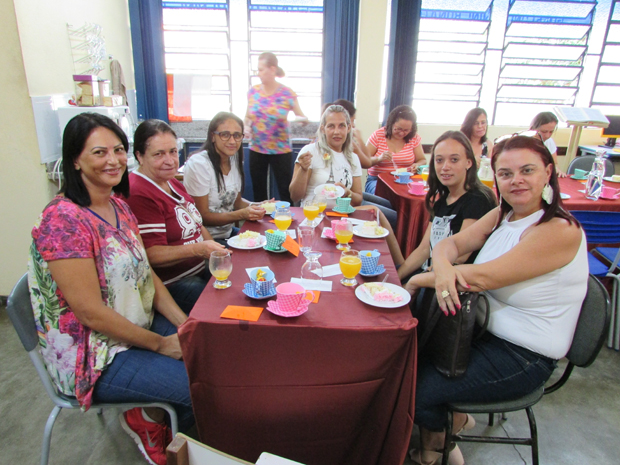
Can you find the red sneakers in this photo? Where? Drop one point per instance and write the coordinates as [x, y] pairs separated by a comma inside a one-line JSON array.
[[152, 438]]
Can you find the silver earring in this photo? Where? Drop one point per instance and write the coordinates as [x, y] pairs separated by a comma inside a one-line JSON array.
[[547, 194]]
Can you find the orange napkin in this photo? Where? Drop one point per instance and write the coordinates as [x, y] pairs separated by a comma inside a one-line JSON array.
[[317, 294], [291, 245], [344, 215], [237, 312]]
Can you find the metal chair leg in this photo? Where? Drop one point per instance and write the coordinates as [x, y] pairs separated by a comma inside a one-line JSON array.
[[534, 434], [615, 308], [491, 419], [447, 440], [47, 434]]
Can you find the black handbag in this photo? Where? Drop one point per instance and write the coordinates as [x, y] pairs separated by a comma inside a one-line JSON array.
[[447, 339]]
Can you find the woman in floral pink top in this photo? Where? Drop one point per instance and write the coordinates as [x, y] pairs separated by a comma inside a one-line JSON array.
[[269, 104], [106, 323]]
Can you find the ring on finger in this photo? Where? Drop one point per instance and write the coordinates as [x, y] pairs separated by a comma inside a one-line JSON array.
[[445, 294]]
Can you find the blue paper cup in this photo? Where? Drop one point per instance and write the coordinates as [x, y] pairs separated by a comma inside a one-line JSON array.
[[282, 203], [263, 288], [370, 260]]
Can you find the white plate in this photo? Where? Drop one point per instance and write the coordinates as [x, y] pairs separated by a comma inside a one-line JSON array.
[[319, 189], [564, 196], [357, 232], [609, 178], [396, 173], [234, 243], [365, 297]]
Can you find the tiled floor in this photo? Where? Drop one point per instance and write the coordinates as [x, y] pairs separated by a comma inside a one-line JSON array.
[[579, 424]]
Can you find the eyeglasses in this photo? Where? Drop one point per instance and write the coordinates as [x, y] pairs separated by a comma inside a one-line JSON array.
[[131, 245], [532, 134], [225, 135]]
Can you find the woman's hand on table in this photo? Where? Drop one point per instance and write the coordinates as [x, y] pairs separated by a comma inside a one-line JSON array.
[[205, 248], [305, 160], [253, 213], [414, 167], [170, 347], [561, 174]]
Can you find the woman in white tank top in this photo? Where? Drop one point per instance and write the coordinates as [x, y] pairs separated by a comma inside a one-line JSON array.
[[533, 268]]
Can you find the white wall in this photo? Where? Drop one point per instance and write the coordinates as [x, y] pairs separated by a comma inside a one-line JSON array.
[[36, 61]]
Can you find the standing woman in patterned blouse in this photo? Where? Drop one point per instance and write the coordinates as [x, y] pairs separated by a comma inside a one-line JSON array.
[[269, 104]]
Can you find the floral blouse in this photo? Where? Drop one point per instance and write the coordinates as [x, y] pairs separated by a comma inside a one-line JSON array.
[[270, 132], [74, 354]]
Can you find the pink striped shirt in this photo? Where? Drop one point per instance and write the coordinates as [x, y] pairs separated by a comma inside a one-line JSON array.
[[403, 159]]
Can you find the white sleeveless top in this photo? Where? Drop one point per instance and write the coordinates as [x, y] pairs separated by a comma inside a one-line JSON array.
[[539, 314]]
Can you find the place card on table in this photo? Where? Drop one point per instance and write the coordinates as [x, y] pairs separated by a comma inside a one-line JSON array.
[[292, 233], [331, 270], [290, 245], [238, 312], [313, 285], [343, 215]]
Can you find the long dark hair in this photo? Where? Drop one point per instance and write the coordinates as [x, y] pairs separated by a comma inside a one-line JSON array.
[[467, 127], [542, 118], [214, 155], [402, 112], [78, 130], [146, 130], [552, 210], [472, 183]]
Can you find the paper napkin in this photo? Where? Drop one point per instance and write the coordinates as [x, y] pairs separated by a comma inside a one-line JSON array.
[[291, 245], [314, 285], [237, 312]]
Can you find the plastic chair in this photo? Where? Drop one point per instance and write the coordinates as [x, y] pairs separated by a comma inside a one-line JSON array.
[[603, 227], [20, 312], [589, 337], [585, 162]]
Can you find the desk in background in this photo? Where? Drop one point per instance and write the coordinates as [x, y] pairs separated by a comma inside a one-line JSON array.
[[332, 386]]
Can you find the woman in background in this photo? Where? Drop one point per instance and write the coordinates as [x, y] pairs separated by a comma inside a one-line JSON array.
[[396, 145], [214, 178], [107, 325], [475, 128], [269, 104], [544, 124], [177, 243]]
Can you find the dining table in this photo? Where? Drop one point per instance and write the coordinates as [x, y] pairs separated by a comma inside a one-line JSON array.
[[413, 217], [334, 385]]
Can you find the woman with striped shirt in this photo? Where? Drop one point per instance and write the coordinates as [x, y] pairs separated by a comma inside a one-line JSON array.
[[397, 145]]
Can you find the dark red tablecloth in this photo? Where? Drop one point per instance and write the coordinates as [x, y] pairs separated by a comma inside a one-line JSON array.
[[413, 218], [578, 199], [332, 386], [412, 215]]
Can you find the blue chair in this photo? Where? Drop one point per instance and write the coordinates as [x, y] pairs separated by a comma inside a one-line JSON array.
[[585, 162], [602, 227], [21, 315]]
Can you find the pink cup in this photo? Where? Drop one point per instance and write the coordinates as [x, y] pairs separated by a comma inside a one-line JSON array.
[[290, 298], [338, 224], [415, 188], [610, 193]]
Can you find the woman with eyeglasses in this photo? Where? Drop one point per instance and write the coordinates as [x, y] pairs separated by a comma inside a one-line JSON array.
[[107, 324], [544, 124], [177, 243], [266, 123], [533, 268], [475, 128], [214, 178], [397, 145]]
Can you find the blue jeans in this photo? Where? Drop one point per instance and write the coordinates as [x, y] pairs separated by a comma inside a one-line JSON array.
[[139, 375], [186, 291], [384, 205], [497, 370], [371, 184]]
